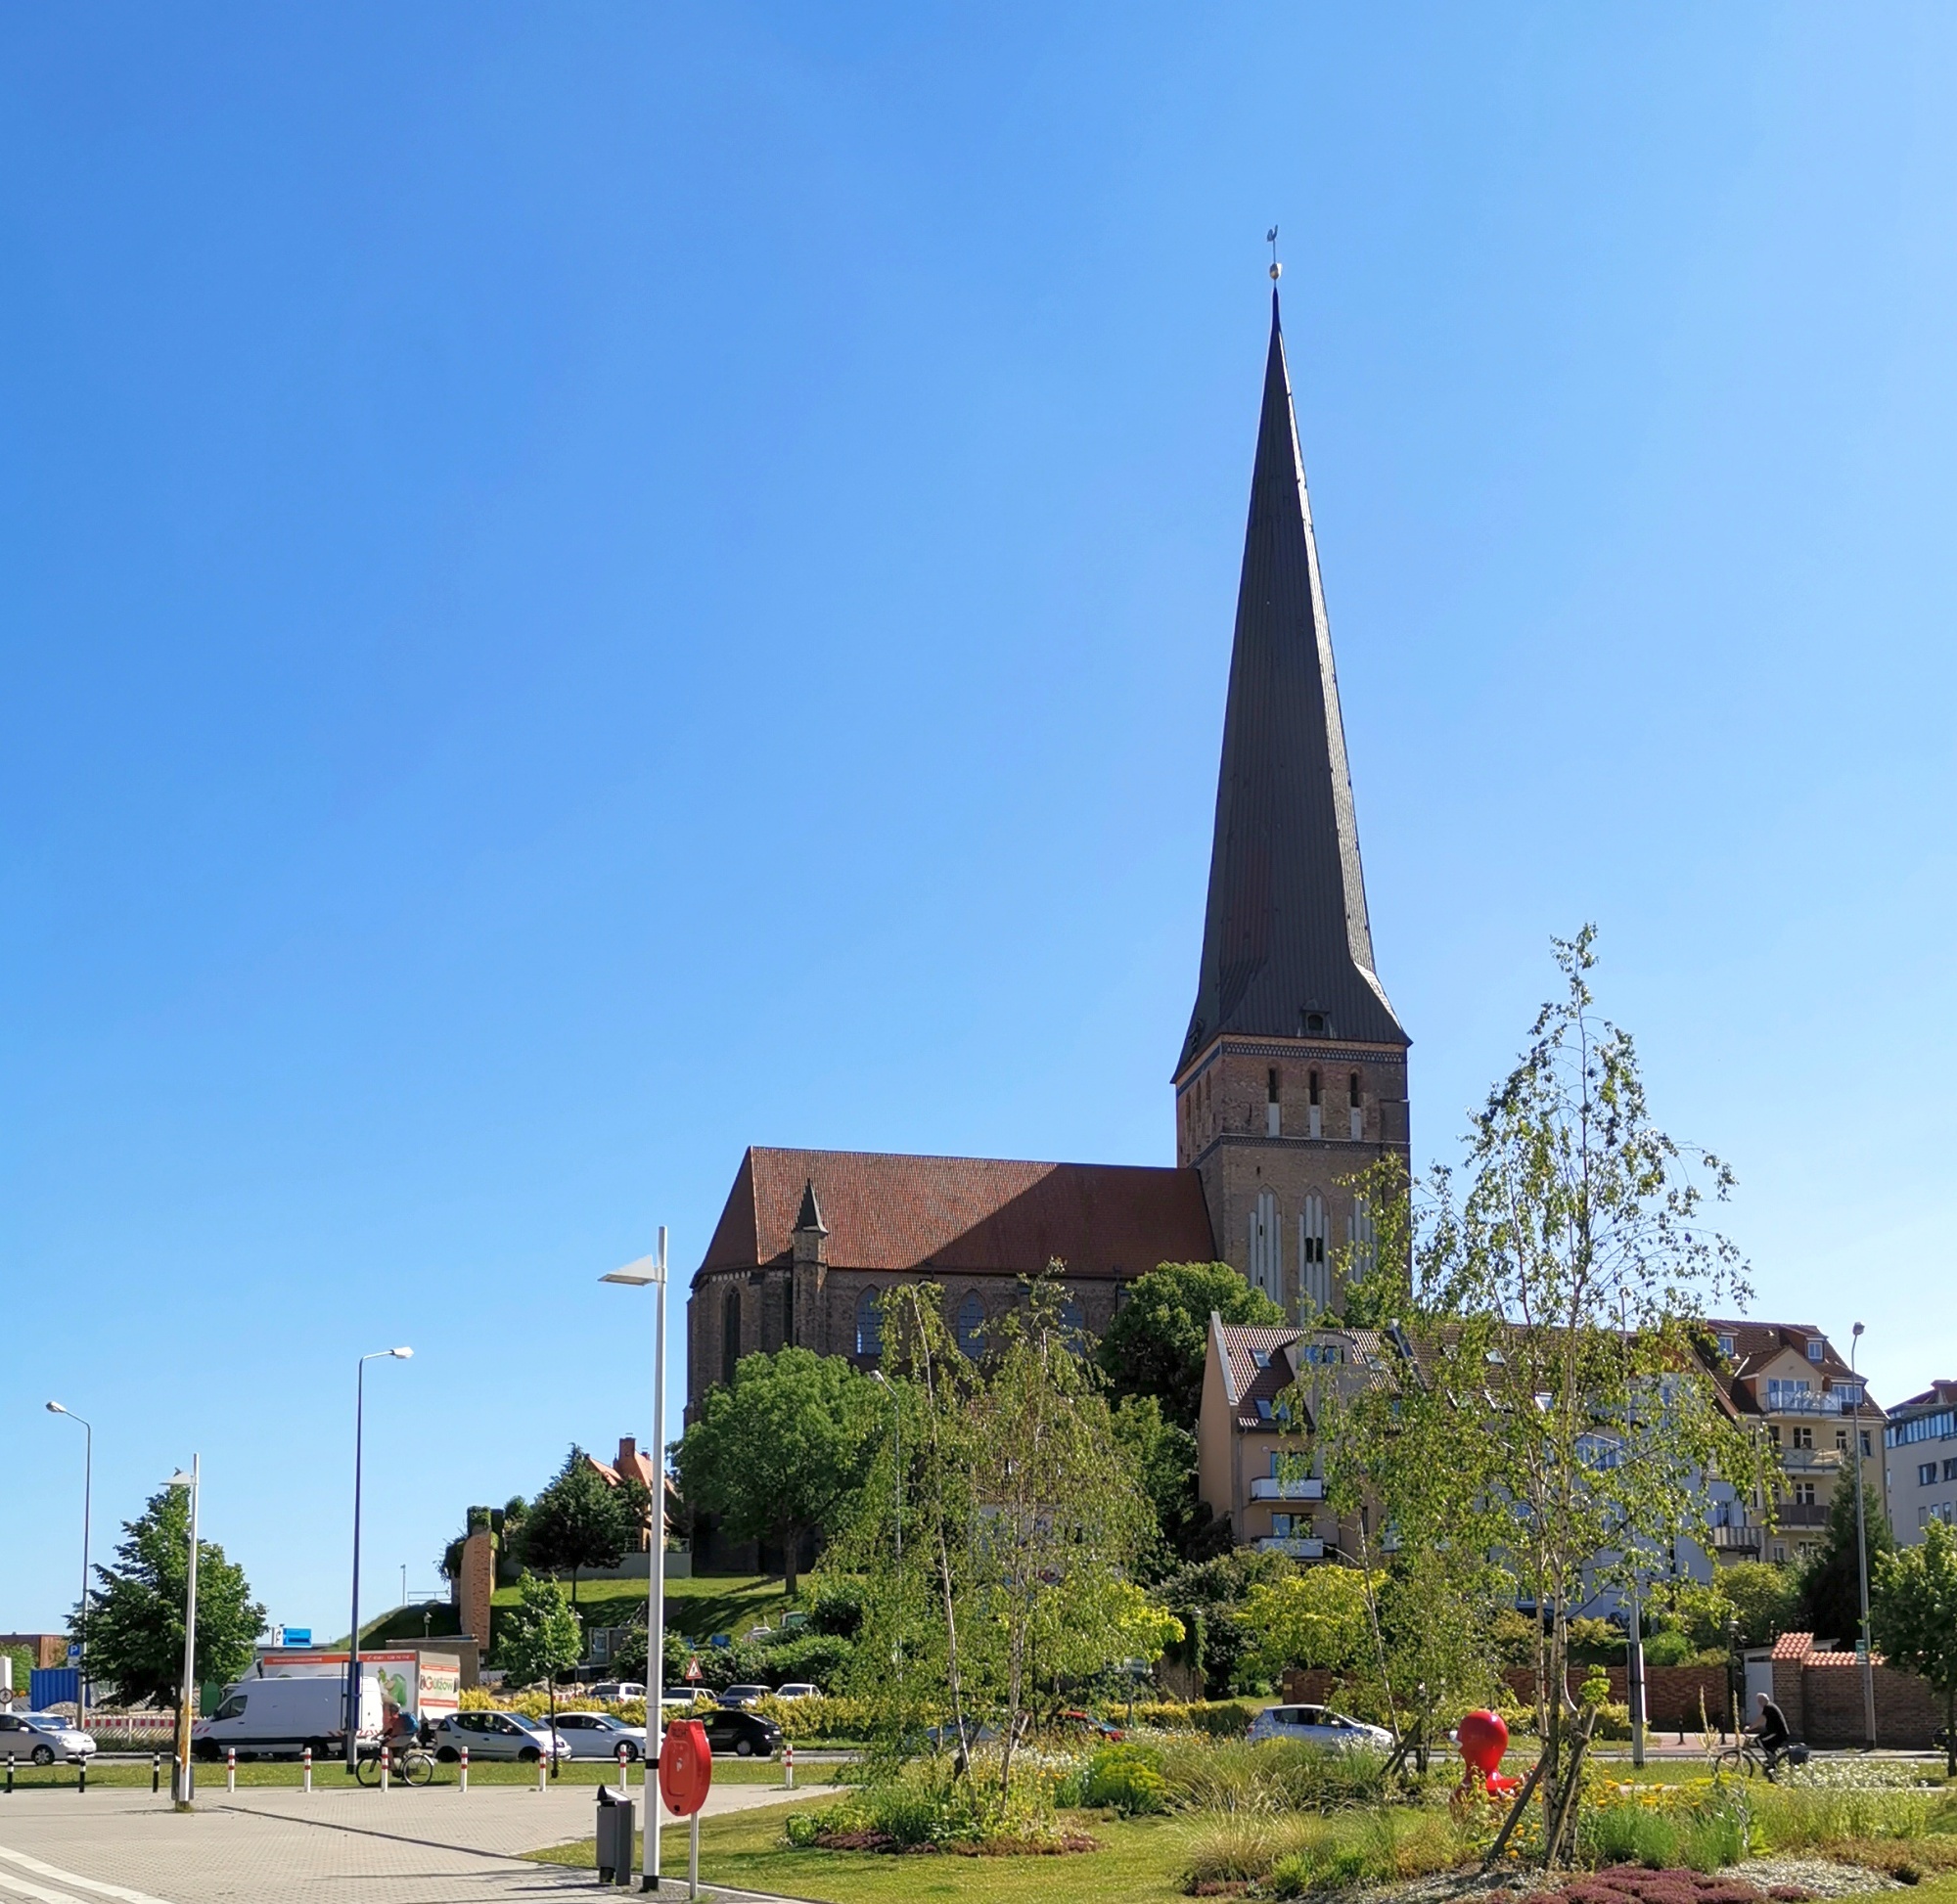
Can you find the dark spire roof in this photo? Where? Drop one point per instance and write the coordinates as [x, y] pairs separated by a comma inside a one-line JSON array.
[[810, 1216], [1285, 933]]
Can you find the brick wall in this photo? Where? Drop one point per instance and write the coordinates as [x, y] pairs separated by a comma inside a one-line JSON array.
[[478, 1584], [1821, 1694]]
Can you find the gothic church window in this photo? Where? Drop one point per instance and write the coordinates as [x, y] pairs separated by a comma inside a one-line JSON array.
[[971, 1325], [869, 1325], [1314, 1112], [1271, 1112], [730, 1337], [1074, 1325], [1359, 1234], [1314, 1280], [1266, 1248], [1358, 1115]]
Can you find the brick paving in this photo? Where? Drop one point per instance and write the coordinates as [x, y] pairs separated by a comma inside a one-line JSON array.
[[274, 1846]]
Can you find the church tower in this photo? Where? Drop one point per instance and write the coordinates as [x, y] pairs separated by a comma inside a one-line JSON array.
[[1294, 1075]]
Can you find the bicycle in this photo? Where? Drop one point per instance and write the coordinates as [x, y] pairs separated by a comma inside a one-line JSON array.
[[411, 1766], [1749, 1759]]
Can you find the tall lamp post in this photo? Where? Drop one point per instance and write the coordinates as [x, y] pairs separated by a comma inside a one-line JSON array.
[[898, 1504], [353, 1638], [651, 1271], [181, 1787], [87, 1488], [1868, 1663]]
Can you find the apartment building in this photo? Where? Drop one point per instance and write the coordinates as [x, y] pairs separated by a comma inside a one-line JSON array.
[[1920, 1460], [1786, 1381]]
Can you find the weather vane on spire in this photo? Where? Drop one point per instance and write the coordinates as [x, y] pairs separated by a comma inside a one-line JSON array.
[[1271, 238]]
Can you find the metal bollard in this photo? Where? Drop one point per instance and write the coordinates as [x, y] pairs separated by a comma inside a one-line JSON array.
[[10, 1775], [305, 1769], [540, 1771], [788, 1762], [465, 1769], [624, 1772], [231, 1768], [155, 1772], [81, 1776], [387, 1766]]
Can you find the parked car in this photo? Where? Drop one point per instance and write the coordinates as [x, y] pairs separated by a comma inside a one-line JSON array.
[[598, 1735], [1319, 1725], [797, 1689], [619, 1688], [498, 1735], [43, 1737], [739, 1696], [1073, 1718], [746, 1734], [677, 1705]]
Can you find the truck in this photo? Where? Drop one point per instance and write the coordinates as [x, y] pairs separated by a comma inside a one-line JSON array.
[[279, 1718]]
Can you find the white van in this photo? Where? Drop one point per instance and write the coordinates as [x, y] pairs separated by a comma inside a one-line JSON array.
[[278, 1718]]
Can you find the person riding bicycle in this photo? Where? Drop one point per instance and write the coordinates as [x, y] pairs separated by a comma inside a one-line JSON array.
[[1771, 1732]]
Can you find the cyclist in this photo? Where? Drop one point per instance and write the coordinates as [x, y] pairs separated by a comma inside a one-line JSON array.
[[1771, 1730]]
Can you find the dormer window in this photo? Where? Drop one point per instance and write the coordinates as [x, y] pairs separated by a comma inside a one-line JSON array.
[[1261, 1357], [1729, 1346], [1816, 1349], [1271, 1109], [1314, 1024]]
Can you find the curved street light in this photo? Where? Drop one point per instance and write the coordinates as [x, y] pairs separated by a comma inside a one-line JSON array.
[[87, 1489], [353, 1637]]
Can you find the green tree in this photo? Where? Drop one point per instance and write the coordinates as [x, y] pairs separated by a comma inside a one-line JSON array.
[[781, 1452], [1913, 1617], [1831, 1582], [1316, 1617], [136, 1615], [540, 1638], [1164, 1457], [1764, 1599], [581, 1519], [1159, 1337]]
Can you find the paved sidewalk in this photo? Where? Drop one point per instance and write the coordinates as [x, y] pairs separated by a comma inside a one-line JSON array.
[[275, 1846]]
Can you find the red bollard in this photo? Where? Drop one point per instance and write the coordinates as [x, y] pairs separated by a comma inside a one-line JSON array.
[[306, 1765], [465, 1768], [788, 1762], [387, 1766], [231, 1768]]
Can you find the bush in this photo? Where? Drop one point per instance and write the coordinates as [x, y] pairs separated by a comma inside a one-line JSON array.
[[1291, 1856], [828, 1717], [837, 1608], [1629, 1834], [1218, 1719], [926, 1805], [1276, 1775], [1128, 1778], [1671, 1647]]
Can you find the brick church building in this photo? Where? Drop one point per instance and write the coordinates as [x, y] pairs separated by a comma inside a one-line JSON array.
[[1291, 1079]]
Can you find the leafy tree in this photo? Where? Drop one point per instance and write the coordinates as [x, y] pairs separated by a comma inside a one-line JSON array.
[[1764, 1600], [1539, 1408], [1157, 1343], [540, 1638], [1164, 1456], [781, 1452], [581, 1519], [136, 1615], [1831, 1583], [1316, 1617], [1913, 1617], [1208, 1597]]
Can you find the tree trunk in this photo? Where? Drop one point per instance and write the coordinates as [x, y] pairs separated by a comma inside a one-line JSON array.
[[790, 1553]]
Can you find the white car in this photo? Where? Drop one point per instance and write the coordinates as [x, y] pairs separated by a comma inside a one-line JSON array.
[[43, 1738], [619, 1688], [1319, 1725], [598, 1735], [498, 1735], [797, 1689]]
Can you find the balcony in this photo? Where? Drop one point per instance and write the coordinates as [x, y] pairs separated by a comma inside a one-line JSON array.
[[1800, 1513], [1736, 1540], [1298, 1548], [1811, 1460], [1810, 1401], [1304, 1488]]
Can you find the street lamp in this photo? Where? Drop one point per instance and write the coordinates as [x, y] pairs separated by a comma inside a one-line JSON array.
[[181, 1788], [897, 1502], [1862, 1554], [651, 1272], [353, 1637], [87, 1488]]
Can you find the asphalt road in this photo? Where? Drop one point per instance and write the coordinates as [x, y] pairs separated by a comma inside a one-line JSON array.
[[272, 1847]]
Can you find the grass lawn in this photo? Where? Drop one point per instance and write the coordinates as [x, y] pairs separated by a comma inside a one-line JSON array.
[[283, 1774], [1138, 1864], [713, 1603]]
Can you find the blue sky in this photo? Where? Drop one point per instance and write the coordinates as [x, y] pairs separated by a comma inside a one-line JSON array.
[[583, 588]]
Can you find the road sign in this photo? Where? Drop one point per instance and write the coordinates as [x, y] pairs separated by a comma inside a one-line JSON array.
[[74, 1654], [295, 1636], [691, 1674]]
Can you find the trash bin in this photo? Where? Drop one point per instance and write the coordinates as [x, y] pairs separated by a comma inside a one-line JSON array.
[[615, 1818]]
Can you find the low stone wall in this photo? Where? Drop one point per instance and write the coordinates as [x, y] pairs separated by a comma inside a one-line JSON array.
[[1821, 1694]]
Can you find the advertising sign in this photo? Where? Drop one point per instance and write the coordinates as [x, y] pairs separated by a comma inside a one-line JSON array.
[[415, 1685]]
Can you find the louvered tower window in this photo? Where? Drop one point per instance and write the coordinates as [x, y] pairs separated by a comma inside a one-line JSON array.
[[1358, 1113], [1271, 1112], [1314, 1279], [1315, 1112], [1266, 1248]]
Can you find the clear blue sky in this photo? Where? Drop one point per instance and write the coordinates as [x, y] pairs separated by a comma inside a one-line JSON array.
[[585, 588]]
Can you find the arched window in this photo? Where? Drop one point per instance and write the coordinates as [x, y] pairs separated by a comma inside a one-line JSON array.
[[1358, 1115], [730, 1337], [1314, 1281], [971, 1325], [1266, 1246], [869, 1325], [1073, 1323], [1354, 1088], [1271, 1101]]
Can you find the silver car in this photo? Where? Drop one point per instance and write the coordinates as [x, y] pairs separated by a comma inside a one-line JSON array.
[[598, 1735], [498, 1735], [1319, 1725], [43, 1738]]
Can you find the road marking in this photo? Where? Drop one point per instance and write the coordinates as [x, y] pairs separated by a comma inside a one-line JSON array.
[[8, 1881]]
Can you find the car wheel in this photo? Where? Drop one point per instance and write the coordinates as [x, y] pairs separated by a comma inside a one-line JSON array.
[[447, 1754], [43, 1754], [744, 1748], [528, 1755], [632, 1753]]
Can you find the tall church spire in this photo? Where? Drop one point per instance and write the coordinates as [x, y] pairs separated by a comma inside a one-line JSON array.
[[1287, 945]]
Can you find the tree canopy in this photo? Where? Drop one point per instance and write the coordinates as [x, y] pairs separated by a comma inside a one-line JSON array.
[[1156, 1342], [1831, 1583], [779, 1451], [1913, 1616], [580, 1520], [136, 1615]]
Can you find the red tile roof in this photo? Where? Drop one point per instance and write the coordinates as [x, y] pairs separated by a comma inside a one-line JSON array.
[[1756, 1344], [926, 1214]]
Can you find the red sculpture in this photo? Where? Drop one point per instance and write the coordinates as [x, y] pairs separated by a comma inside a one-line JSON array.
[[1483, 1737]]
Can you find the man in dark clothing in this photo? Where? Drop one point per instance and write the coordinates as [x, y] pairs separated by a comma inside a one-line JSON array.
[[1771, 1730]]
